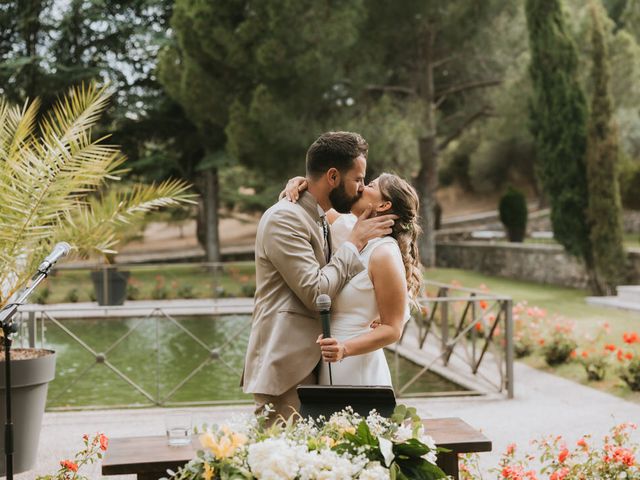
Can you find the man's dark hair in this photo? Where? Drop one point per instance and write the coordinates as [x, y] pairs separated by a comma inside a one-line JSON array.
[[335, 150]]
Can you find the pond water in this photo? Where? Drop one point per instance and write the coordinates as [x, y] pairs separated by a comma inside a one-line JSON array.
[[147, 361]]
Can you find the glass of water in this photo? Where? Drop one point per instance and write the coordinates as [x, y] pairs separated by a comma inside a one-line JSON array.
[[178, 426]]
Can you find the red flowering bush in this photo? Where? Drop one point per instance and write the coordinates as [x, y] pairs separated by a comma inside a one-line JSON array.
[[560, 343], [629, 358], [595, 362], [593, 357], [528, 322], [93, 450], [614, 459]]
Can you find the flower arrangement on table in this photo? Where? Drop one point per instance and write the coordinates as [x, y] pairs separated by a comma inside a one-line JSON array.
[[615, 458], [346, 446], [94, 448]]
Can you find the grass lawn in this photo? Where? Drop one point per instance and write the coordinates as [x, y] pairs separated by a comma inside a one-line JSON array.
[[631, 240], [166, 281], [566, 302]]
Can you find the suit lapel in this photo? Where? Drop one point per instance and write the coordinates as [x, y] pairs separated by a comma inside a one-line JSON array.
[[310, 205]]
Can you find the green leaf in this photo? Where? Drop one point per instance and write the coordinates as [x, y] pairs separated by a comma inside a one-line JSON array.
[[365, 435], [421, 470], [411, 448]]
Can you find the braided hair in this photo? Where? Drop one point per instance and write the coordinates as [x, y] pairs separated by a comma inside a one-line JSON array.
[[405, 204]]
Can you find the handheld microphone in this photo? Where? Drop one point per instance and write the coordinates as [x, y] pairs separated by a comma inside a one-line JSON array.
[[323, 306], [60, 250]]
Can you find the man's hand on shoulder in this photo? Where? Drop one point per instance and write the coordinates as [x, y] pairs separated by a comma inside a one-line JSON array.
[[367, 228]]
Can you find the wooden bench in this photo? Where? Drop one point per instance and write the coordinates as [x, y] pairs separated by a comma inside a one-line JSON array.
[[150, 457]]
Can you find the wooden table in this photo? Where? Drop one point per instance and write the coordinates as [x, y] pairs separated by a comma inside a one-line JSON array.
[[150, 457]]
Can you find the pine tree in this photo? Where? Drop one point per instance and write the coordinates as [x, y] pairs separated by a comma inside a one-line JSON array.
[[558, 121], [602, 156], [259, 80]]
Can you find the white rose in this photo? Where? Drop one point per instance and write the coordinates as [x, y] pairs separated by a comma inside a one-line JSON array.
[[273, 459], [403, 434]]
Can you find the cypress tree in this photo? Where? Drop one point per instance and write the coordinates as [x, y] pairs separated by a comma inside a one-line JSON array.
[[602, 155], [558, 121]]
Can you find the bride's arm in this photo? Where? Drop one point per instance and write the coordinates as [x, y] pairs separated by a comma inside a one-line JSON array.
[[390, 286], [293, 188]]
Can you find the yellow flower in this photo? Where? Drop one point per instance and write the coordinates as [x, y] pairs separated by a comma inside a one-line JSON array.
[[350, 430], [221, 448], [208, 472], [224, 446], [328, 440], [238, 439]]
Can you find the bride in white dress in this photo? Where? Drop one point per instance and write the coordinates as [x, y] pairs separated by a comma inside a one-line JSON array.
[[381, 292]]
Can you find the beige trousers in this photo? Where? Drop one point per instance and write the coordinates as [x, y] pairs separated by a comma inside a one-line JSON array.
[[285, 404]]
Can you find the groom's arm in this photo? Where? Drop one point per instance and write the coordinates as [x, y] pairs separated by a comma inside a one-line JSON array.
[[288, 246]]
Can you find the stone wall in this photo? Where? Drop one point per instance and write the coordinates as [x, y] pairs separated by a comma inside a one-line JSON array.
[[631, 221], [533, 262]]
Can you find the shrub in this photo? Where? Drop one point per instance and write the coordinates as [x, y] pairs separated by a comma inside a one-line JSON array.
[[513, 214], [133, 290], [248, 290], [527, 333], [557, 349], [220, 292], [630, 373], [160, 291], [630, 361], [93, 451], [72, 295], [185, 291], [558, 461], [41, 296], [595, 364]]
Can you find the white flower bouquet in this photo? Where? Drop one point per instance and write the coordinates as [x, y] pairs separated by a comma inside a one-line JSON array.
[[346, 446]]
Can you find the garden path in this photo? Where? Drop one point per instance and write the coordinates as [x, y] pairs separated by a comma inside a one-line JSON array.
[[544, 404]]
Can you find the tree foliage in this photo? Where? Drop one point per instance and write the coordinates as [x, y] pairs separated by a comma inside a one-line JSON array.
[[558, 121], [602, 158], [48, 168]]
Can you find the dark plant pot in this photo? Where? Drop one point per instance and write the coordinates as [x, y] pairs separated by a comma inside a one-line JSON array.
[[110, 286], [30, 379]]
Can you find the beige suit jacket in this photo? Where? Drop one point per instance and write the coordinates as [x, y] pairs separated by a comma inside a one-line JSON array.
[[291, 272]]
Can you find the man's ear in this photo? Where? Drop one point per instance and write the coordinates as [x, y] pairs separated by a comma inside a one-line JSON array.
[[384, 206], [333, 177]]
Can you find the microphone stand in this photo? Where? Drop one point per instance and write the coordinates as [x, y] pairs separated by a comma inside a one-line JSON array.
[[9, 328]]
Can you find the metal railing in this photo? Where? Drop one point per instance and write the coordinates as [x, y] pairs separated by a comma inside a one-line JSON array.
[[152, 326], [461, 334], [467, 332]]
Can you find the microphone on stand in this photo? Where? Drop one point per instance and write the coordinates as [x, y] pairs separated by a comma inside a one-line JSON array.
[[323, 306], [60, 250], [9, 328]]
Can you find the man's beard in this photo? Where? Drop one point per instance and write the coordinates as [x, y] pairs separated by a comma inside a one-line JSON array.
[[340, 199]]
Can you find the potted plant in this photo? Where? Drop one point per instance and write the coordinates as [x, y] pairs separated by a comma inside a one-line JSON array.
[[51, 175]]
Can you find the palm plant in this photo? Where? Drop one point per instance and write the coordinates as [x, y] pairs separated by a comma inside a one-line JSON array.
[[52, 174]]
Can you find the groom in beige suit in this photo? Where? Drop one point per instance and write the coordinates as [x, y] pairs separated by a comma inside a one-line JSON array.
[[294, 264]]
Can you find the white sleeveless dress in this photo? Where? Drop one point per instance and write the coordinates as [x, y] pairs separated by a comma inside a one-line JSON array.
[[352, 312]]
